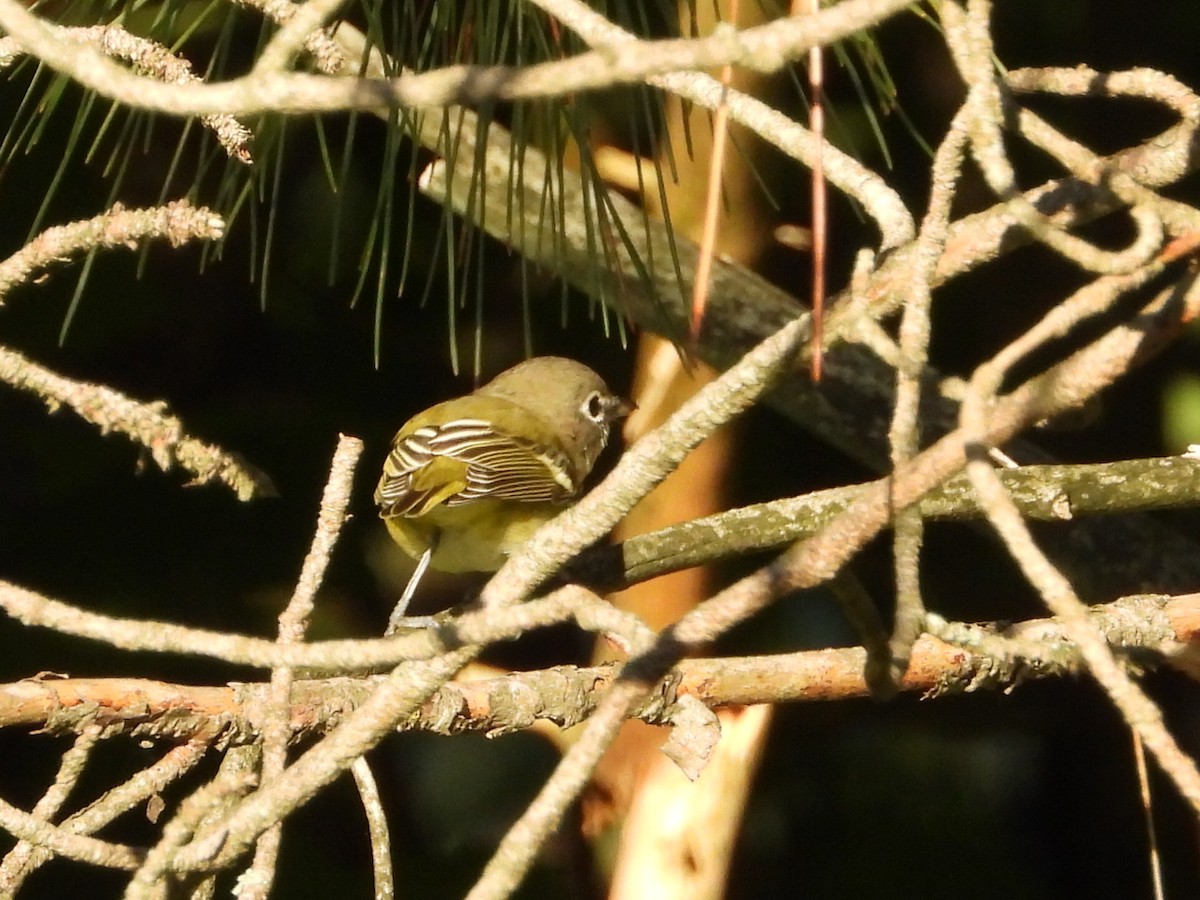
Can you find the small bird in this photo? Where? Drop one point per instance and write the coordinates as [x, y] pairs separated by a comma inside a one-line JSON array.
[[470, 480]]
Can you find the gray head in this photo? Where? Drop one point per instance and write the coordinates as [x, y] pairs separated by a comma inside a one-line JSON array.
[[569, 399]]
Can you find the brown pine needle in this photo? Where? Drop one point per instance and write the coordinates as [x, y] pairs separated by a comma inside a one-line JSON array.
[[712, 209], [820, 221], [1139, 757]]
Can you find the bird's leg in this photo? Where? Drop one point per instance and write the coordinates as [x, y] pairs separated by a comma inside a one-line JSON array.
[[397, 619]]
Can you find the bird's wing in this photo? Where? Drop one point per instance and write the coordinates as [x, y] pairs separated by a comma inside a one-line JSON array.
[[467, 460]]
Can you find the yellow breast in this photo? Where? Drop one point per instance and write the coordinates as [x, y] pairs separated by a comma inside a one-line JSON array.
[[474, 537]]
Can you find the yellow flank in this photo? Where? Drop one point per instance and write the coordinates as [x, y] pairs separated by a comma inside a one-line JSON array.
[[443, 477], [474, 537]]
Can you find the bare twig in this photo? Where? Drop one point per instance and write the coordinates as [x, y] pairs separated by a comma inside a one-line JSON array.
[[293, 622], [178, 222], [148, 424], [377, 829], [765, 48], [325, 51], [154, 61], [1140, 712], [142, 786], [70, 769], [62, 842]]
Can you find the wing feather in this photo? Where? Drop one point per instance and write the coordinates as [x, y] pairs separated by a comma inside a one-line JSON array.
[[493, 465]]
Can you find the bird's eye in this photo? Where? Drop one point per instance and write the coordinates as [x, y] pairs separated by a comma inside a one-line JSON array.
[[594, 407]]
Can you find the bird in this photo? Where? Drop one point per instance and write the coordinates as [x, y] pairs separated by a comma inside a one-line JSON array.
[[469, 480]]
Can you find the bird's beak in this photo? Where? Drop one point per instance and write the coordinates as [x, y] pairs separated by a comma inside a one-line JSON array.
[[619, 408]]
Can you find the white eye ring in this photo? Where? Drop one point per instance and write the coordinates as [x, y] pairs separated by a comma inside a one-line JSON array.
[[595, 408]]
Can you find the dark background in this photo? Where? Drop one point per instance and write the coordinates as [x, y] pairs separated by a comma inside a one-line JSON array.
[[1031, 794]]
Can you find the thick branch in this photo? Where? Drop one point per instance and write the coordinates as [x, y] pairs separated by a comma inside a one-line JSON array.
[[988, 656], [1043, 493]]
